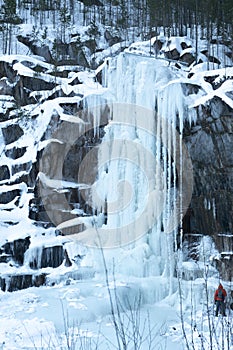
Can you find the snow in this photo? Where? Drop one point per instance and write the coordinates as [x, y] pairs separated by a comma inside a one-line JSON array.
[[75, 305], [39, 317]]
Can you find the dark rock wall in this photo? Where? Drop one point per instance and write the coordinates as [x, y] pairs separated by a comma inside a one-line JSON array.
[[16, 249], [47, 257], [11, 283], [210, 145]]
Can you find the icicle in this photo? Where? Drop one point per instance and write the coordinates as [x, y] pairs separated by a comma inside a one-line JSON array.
[[135, 81], [32, 257]]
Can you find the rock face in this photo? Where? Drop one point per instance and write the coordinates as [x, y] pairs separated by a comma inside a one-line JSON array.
[[48, 257], [4, 172], [22, 259], [16, 249], [12, 133], [9, 196], [40, 50], [15, 152], [16, 282], [210, 144], [111, 39]]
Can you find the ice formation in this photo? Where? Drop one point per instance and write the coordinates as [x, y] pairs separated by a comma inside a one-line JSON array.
[[144, 177]]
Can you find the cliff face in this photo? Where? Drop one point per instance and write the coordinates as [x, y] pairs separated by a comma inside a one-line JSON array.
[[210, 144], [48, 128], [44, 134]]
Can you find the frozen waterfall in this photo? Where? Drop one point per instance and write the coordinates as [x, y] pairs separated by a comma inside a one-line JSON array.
[[144, 176]]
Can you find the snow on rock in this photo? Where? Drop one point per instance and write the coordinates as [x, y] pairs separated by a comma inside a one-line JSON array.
[[130, 206]]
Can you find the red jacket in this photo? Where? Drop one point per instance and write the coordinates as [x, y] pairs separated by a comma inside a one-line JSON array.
[[224, 293]]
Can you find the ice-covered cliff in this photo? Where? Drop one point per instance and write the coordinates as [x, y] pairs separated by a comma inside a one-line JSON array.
[[191, 127], [124, 163]]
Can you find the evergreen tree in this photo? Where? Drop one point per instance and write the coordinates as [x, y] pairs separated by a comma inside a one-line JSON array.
[[9, 11], [8, 18]]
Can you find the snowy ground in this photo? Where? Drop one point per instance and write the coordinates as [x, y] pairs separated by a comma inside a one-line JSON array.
[[79, 312]]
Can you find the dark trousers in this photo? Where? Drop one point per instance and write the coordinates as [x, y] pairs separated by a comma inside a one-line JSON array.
[[220, 306]]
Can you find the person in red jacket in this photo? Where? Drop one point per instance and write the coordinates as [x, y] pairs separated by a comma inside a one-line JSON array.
[[219, 298]]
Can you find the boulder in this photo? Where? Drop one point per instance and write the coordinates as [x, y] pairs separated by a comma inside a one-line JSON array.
[[15, 152], [184, 45], [48, 257], [4, 173], [12, 283], [12, 133], [6, 70], [158, 44], [111, 39], [172, 54], [210, 57], [187, 58], [9, 196], [16, 249], [21, 167], [214, 59], [77, 53], [36, 83], [35, 47], [5, 87]]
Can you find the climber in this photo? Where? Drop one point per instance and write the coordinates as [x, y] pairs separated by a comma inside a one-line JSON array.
[[219, 299]]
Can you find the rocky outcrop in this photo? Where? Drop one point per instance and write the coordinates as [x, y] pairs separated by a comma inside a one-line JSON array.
[[47, 257], [66, 53], [6, 70], [12, 133], [9, 196], [36, 83], [36, 49], [210, 144], [111, 39], [224, 261], [15, 152], [16, 249], [224, 266], [11, 283], [4, 172], [17, 253], [52, 206], [19, 85]]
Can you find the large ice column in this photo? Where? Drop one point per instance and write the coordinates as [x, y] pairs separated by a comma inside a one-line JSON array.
[[141, 161], [126, 185]]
